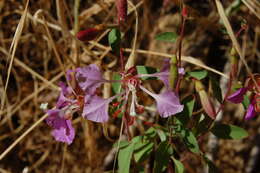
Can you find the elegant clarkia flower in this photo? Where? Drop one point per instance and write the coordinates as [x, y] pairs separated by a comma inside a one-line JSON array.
[[81, 96], [60, 117], [238, 97], [96, 108]]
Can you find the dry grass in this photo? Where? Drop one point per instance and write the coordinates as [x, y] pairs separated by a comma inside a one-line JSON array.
[[37, 46]]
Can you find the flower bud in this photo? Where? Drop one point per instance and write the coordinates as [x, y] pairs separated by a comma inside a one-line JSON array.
[[90, 33], [205, 100]]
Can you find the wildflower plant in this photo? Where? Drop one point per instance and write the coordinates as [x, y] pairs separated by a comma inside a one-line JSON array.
[[185, 119]]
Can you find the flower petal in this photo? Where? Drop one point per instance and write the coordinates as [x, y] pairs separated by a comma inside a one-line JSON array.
[[65, 133], [62, 128], [89, 78], [250, 113], [167, 103], [62, 100], [96, 109], [238, 96]]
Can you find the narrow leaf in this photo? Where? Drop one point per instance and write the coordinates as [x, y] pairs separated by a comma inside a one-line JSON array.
[[114, 38], [116, 86], [226, 131], [124, 158], [190, 141], [198, 74], [216, 89], [179, 168], [145, 70], [162, 157], [186, 114], [167, 36]]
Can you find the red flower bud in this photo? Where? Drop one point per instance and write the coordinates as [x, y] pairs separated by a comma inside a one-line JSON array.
[[88, 34], [184, 12], [121, 6]]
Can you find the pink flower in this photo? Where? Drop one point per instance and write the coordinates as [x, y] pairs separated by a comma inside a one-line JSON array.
[[96, 109], [167, 103], [89, 78], [238, 96], [62, 128], [250, 113], [164, 73], [60, 118]]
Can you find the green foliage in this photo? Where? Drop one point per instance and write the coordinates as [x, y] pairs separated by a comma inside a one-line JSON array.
[[162, 157], [202, 125], [186, 114], [226, 131], [179, 168], [116, 86], [167, 36], [217, 93], [124, 158], [114, 39], [198, 74], [210, 165], [146, 70], [143, 149], [190, 141], [246, 102], [140, 147]]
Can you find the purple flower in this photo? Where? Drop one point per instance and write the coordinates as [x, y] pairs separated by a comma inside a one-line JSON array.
[[96, 109], [62, 128], [62, 100], [238, 96], [59, 118], [89, 78], [167, 103], [164, 73], [250, 113]]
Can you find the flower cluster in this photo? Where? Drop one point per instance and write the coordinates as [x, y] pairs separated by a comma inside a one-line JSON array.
[[81, 96], [238, 96]]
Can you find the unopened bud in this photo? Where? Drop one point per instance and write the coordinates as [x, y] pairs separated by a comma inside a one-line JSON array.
[[205, 100], [184, 12], [173, 72], [89, 34]]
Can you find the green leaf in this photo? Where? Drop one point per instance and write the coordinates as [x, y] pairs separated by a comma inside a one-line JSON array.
[[124, 158], [162, 156], [211, 167], [167, 36], [246, 102], [225, 131], [146, 70], [122, 144], [161, 135], [202, 126], [114, 39], [142, 150], [216, 88], [190, 141], [198, 74], [186, 114], [150, 133], [116, 86], [179, 168]]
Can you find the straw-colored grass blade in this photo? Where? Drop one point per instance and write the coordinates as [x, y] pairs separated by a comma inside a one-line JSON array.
[[13, 47]]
